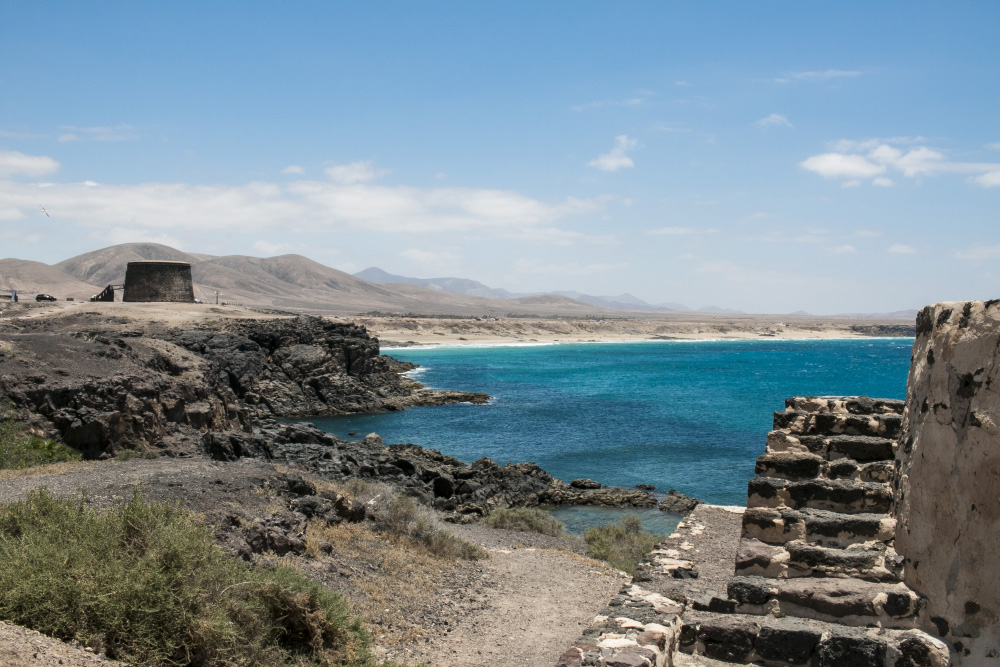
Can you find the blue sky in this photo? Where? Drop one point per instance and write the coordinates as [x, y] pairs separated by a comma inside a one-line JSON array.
[[764, 156]]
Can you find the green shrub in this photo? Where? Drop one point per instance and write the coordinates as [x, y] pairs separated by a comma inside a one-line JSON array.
[[18, 451], [623, 545], [525, 519], [146, 585]]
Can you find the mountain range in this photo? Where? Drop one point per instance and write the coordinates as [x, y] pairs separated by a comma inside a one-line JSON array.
[[297, 283], [625, 302]]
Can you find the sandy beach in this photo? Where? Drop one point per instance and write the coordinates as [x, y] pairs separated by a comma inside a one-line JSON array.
[[407, 331], [404, 331]]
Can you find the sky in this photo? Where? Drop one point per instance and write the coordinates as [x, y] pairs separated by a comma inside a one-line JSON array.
[[772, 157]]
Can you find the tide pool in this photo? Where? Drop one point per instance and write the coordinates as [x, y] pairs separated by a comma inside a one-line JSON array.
[[684, 415]]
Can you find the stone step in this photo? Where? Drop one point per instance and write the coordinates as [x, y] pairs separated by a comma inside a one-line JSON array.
[[848, 601], [870, 561], [743, 639], [820, 527], [799, 466], [859, 448], [838, 495], [855, 405], [809, 423]]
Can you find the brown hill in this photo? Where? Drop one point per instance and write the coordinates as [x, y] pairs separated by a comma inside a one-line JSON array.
[[295, 282], [32, 278]]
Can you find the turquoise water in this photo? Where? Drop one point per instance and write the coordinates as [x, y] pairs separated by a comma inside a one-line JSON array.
[[690, 416]]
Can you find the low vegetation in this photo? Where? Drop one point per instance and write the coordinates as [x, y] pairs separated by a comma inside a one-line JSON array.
[[19, 450], [145, 584], [396, 515], [623, 545], [525, 519]]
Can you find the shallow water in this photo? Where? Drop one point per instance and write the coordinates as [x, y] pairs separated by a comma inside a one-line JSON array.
[[690, 416]]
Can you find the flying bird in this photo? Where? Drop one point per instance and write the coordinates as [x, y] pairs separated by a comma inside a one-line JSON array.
[[44, 211]]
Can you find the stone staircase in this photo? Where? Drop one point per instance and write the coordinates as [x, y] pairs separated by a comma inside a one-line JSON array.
[[817, 580]]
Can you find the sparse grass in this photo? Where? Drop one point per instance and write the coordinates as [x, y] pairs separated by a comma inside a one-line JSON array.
[[525, 519], [622, 545], [141, 453], [146, 585], [19, 451], [396, 515]]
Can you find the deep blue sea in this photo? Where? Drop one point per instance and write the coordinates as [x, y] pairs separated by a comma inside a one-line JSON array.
[[684, 415]]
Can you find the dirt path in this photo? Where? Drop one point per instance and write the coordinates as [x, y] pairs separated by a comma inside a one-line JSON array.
[[535, 602], [522, 607]]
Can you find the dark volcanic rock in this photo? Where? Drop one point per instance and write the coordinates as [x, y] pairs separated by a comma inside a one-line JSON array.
[[193, 391]]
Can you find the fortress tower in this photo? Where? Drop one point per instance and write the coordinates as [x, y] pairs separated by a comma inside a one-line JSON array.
[[158, 281]]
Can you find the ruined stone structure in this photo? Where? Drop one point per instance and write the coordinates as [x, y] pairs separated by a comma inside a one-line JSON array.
[[948, 477], [158, 281]]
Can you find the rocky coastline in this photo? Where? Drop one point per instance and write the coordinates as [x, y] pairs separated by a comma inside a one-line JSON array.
[[220, 390]]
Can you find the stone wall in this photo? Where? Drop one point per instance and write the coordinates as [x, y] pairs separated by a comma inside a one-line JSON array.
[[947, 481], [158, 281]]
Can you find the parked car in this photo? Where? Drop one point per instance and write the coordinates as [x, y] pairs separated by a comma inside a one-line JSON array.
[[45, 297]]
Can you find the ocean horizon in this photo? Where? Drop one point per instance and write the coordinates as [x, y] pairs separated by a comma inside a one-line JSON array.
[[679, 414]]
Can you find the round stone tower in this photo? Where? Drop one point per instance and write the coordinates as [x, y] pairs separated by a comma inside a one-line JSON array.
[[158, 281]]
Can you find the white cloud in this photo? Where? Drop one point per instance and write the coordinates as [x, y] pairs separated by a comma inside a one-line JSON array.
[[851, 184], [101, 133], [900, 249], [853, 146], [882, 156], [990, 179], [431, 257], [301, 205], [355, 172], [628, 102], [995, 146], [680, 231], [536, 267], [774, 120], [868, 233], [979, 252], [293, 169], [682, 83], [839, 165], [12, 162], [844, 249], [617, 158]]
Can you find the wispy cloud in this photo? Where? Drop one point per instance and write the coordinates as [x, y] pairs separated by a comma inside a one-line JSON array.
[[680, 231], [901, 249], [13, 134], [293, 169], [979, 252], [99, 133], [844, 249], [617, 158], [840, 165], [774, 120], [534, 266], [636, 101], [355, 172], [431, 257], [303, 205], [871, 159], [990, 179], [824, 75], [13, 162]]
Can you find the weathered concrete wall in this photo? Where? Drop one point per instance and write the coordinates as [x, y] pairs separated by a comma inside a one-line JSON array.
[[947, 482], [158, 281]]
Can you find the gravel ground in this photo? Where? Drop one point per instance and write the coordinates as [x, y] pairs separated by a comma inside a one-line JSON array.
[[519, 608]]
